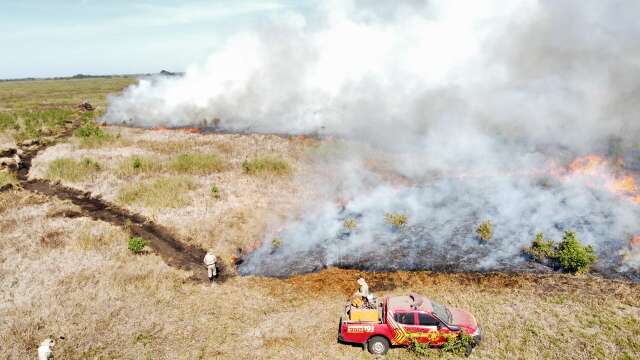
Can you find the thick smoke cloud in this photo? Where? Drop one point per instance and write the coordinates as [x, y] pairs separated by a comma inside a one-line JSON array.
[[471, 100]]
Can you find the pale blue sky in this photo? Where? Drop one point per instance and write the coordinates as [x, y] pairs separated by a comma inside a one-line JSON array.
[[44, 38]]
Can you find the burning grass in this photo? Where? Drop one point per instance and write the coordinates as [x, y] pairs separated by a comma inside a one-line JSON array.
[[267, 165], [67, 169], [165, 192]]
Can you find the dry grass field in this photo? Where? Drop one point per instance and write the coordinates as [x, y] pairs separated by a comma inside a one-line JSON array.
[[64, 274]]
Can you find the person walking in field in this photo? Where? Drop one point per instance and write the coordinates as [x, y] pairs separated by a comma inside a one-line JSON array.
[[210, 261]]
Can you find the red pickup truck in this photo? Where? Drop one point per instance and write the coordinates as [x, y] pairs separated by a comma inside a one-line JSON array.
[[397, 320]]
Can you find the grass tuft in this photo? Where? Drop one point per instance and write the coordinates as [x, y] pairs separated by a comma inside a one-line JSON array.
[[136, 165], [274, 165], [66, 169], [92, 136], [167, 192], [197, 164], [8, 179]]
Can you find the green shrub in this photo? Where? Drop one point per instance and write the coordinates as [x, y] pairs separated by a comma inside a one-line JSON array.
[[71, 170], [460, 344], [418, 348], [266, 165], [136, 244], [215, 192], [574, 256], [541, 249], [167, 192], [485, 231], [197, 164], [396, 220], [569, 254]]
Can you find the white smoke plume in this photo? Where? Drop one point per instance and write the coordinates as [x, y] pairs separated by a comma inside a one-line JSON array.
[[470, 98]]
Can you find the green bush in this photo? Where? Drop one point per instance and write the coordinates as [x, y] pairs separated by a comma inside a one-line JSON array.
[[460, 344], [569, 254], [485, 231], [418, 348], [574, 256], [542, 249], [396, 220], [266, 165], [136, 244], [215, 192], [71, 170]]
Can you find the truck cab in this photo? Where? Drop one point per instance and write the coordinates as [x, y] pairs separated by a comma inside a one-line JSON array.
[[398, 320]]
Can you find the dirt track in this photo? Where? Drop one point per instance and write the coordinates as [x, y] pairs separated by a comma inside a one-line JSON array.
[[161, 240]]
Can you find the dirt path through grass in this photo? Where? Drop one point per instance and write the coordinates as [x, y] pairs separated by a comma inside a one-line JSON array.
[[161, 240]]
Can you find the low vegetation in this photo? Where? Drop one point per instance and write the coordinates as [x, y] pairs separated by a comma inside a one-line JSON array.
[[136, 165], [136, 244], [7, 179], [397, 221], [66, 169], [484, 231], [197, 164], [91, 135], [34, 124], [215, 192], [569, 254], [166, 192], [276, 243], [274, 165], [350, 224]]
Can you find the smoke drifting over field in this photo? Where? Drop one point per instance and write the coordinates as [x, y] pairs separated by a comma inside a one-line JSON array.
[[480, 107]]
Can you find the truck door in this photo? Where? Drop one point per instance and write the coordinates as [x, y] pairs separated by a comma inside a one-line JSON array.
[[403, 324], [427, 329]]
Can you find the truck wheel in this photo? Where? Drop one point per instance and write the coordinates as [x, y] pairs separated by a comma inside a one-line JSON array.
[[378, 345]]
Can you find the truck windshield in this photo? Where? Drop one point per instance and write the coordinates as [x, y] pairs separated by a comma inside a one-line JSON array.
[[441, 311]]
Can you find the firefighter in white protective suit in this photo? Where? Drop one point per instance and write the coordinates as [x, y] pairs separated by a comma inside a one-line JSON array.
[[210, 261]]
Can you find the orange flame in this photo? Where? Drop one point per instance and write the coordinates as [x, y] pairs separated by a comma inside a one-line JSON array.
[[598, 171]]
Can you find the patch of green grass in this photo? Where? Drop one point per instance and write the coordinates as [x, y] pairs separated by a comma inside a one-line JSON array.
[[198, 164], [67, 169], [34, 124], [266, 165], [136, 165], [92, 136], [136, 244], [167, 192], [7, 178]]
